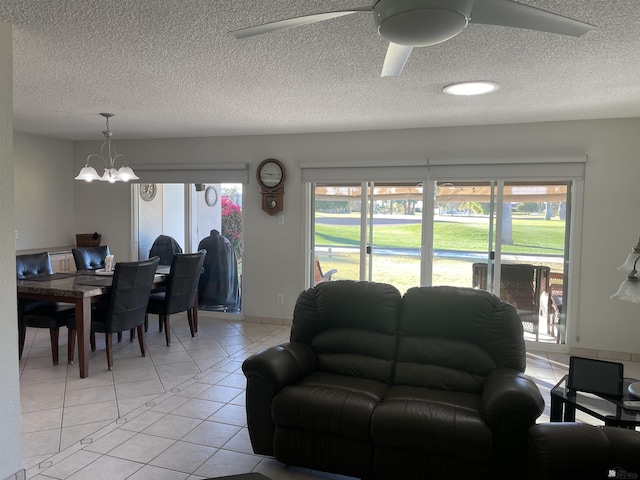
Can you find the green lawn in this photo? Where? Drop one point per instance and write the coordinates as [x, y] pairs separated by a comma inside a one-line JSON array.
[[530, 235]]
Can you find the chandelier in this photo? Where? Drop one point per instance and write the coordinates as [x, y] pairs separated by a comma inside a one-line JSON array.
[[111, 173]]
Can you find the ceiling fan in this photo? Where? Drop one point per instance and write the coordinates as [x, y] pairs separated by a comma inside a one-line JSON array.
[[420, 23]]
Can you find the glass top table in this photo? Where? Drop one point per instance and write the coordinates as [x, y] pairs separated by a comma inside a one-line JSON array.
[[565, 402]]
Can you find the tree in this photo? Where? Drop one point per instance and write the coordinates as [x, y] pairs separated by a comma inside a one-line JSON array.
[[232, 224]]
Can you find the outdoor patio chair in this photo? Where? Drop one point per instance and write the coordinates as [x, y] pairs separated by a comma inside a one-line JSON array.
[[523, 286], [318, 275]]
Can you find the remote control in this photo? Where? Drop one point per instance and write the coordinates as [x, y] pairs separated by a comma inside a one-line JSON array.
[[632, 404]]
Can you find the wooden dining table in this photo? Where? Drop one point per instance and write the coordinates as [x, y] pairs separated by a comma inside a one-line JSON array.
[[81, 289]]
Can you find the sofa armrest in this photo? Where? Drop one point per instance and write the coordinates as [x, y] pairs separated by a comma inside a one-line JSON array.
[[509, 393], [267, 373], [281, 365], [511, 403]]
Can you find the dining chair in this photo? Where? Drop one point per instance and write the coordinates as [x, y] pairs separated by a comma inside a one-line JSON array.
[[39, 314], [181, 294], [127, 305], [90, 258]]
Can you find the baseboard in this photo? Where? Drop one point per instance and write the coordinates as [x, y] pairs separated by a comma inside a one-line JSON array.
[[605, 354], [19, 475]]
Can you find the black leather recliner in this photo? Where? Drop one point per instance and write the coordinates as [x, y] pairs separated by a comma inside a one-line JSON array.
[[376, 386], [560, 451], [90, 258]]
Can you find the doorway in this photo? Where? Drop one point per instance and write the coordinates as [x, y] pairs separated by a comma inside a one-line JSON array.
[[189, 213]]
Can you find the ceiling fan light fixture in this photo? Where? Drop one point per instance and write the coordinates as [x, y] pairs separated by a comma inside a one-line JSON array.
[[470, 88], [420, 23]]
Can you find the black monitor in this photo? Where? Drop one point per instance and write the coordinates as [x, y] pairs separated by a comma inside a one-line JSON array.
[[596, 376]]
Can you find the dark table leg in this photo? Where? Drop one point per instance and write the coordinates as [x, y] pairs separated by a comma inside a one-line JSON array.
[[557, 404], [83, 325], [569, 412]]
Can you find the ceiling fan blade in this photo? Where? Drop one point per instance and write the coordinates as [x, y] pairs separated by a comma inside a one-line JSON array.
[[295, 22], [397, 56], [511, 14]]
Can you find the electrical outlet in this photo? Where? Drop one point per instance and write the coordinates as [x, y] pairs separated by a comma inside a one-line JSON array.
[[16, 234], [280, 298]]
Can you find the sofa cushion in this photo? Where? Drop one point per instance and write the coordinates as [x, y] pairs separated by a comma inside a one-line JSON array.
[[452, 338], [327, 403], [351, 326], [432, 421]]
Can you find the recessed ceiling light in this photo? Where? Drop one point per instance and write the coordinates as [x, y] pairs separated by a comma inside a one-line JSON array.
[[470, 88]]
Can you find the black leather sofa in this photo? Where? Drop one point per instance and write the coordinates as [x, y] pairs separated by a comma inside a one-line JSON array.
[[560, 451], [378, 386]]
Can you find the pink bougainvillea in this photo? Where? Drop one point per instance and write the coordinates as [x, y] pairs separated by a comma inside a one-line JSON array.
[[232, 224]]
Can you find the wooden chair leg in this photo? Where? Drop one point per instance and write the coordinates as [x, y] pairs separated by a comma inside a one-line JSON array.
[[146, 322], [141, 340], [71, 345], [54, 333], [160, 322], [190, 320], [119, 337], [132, 334], [92, 341], [109, 341], [167, 330]]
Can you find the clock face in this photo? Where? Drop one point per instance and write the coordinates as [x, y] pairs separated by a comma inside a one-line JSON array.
[[147, 191], [211, 196], [270, 174]]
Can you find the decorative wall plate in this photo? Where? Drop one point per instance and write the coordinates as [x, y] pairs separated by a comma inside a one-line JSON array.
[[211, 196], [148, 191]]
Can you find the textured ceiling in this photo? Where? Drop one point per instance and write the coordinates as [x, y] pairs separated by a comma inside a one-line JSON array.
[[169, 68]]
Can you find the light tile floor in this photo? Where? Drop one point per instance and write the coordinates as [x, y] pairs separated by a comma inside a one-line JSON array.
[[177, 413]]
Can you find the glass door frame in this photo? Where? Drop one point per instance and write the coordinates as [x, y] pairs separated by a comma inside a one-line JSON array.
[[367, 226], [572, 244]]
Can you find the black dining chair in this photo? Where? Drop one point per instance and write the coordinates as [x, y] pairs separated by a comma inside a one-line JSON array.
[[127, 305], [90, 258], [181, 293], [39, 314]]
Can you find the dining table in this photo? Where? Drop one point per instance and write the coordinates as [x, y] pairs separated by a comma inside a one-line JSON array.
[[81, 289]]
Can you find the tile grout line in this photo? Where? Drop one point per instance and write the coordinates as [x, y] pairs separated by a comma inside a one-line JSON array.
[[102, 432]]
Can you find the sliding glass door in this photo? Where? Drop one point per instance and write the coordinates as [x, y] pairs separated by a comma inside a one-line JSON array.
[[367, 231], [189, 213], [508, 237]]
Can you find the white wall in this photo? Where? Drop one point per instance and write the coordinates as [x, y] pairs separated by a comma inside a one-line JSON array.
[[209, 218], [10, 451], [273, 253], [44, 207]]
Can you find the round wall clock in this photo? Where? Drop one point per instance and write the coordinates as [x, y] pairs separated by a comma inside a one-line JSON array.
[[211, 196], [148, 191], [270, 173]]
